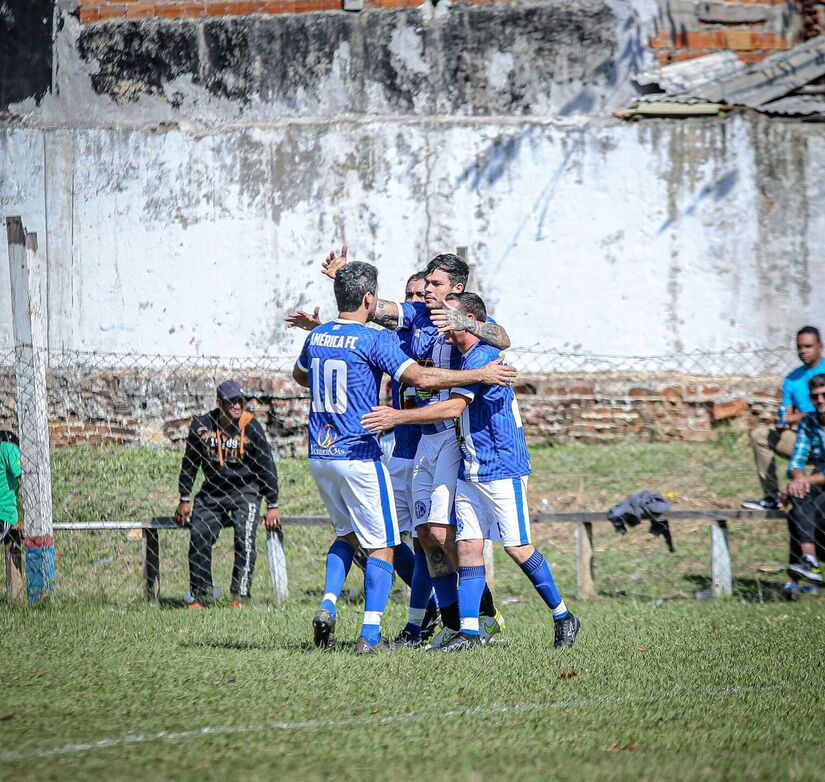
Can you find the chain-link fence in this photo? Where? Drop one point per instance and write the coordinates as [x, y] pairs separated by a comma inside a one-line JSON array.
[[602, 427]]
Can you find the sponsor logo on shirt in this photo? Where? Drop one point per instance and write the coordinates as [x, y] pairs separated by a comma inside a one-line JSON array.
[[325, 440]]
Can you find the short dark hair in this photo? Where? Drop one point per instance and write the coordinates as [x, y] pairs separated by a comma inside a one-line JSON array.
[[9, 437], [817, 381], [352, 282], [417, 276], [470, 304], [809, 330], [455, 268]]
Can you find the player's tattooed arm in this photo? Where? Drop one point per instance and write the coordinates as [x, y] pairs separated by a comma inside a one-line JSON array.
[[496, 373], [448, 319], [386, 314], [382, 419]]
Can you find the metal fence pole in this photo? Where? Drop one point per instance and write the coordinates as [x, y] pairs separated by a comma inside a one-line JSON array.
[[30, 359]]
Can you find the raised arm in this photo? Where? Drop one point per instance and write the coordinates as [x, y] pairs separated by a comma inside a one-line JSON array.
[[496, 373], [447, 319], [382, 419]]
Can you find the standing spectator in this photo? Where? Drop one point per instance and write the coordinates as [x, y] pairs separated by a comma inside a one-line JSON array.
[[806, 519], [767, 442], [9, 481], [230, 446]]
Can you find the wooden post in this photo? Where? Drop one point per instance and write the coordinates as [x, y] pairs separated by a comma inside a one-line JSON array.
[[720, 565], [489, 564], [151, 564], [584, 561], [276, 557], [32, 408], [13, 551]]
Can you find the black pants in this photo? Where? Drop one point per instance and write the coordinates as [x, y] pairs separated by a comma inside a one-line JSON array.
[[209, 516], [806, 523]]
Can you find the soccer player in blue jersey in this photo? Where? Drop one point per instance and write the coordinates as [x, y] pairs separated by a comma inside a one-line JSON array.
[[437, 459], [491, 498], [342, 363]]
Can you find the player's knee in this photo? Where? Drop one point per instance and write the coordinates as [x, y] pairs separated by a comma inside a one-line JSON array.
[[520, 554]]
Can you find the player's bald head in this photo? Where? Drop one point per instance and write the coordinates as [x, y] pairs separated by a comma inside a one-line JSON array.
[[352, 283]]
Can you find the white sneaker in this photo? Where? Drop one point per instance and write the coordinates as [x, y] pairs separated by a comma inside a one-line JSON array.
[[490, 626], [440, 639]]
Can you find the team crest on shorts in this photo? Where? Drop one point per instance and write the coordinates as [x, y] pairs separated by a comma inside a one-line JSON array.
[[459, 527], [420, 509]]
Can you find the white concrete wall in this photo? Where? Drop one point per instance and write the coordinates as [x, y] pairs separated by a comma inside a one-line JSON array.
[[612, 238]]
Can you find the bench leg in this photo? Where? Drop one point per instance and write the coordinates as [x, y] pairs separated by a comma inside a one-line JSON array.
[[151, 564], [584, 561], [13, 553], [720, 566]]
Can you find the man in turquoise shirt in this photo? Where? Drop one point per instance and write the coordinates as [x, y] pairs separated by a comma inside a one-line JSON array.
[[9, 481], [768, 441]]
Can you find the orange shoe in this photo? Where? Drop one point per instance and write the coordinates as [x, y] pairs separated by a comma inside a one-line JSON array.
[[237, 604], [196, 606]]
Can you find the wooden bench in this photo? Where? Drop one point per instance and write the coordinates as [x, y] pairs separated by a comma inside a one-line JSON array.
[[718, 518]]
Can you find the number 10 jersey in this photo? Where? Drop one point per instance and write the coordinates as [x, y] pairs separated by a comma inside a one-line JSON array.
[[345, 361]]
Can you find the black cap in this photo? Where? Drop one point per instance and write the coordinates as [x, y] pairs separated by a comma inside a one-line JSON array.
[[229, 389]]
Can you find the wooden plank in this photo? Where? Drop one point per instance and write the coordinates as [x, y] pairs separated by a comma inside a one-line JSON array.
[[151, 564], [489, 565], [276, 558], [31, 360], [584, 561], [720, 565], [13, 554]]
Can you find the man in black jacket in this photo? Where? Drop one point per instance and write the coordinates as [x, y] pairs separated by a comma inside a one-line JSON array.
[[230, 446]]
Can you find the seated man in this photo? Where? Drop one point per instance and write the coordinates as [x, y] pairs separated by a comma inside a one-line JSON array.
[[230, 446], [9, 482], [796, 404], [491, 496], [806, 519]]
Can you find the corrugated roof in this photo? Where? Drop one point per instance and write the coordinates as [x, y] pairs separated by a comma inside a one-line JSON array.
[[685, 76], [722, 80]]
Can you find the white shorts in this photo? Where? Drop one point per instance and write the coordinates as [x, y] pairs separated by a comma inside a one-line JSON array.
[[386, 442], [493, 510], [401, 478], [434, 477], [358, 497]]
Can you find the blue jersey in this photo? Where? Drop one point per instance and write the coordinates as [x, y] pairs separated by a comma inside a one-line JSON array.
[[428, 347], [795, 388], [403, 397], [345, 361], [489, 430]]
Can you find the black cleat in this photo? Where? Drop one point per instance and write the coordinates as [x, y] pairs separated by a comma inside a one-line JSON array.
[[429, 624], [362, 647], [407, 639], [323, 629], [566, 631], [461, 642]]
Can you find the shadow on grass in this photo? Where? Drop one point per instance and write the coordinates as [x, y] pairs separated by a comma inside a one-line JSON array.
[[305, 647], [751, 590]]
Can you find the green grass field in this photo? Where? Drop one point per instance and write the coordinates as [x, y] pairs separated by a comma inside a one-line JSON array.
[[660, 685]]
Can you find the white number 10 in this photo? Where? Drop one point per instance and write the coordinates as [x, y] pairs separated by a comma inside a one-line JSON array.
[[335, 386]]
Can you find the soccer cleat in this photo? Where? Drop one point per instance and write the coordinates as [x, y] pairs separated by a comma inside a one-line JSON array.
[[566, 631], [766, 503], [440, 639], [461, 642], [237, 604], [407, 639], [196, 606], [363, 647], [791, 591], [323, 629], [490, 626], [807, 570]]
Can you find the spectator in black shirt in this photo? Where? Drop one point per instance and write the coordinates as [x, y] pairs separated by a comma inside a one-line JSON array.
[[230, 446]]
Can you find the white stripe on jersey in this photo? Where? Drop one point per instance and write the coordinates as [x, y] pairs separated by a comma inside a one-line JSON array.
[[468, 447]]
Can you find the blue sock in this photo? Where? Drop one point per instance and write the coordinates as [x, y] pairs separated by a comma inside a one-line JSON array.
[[446, 590], [420, 594], [339, 561], [404, 562], [538, 571], [471, 583], [377, 586]]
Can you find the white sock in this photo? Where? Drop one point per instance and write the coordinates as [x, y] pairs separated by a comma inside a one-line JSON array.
[[331, 596], [559, 610], [415, 616]]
